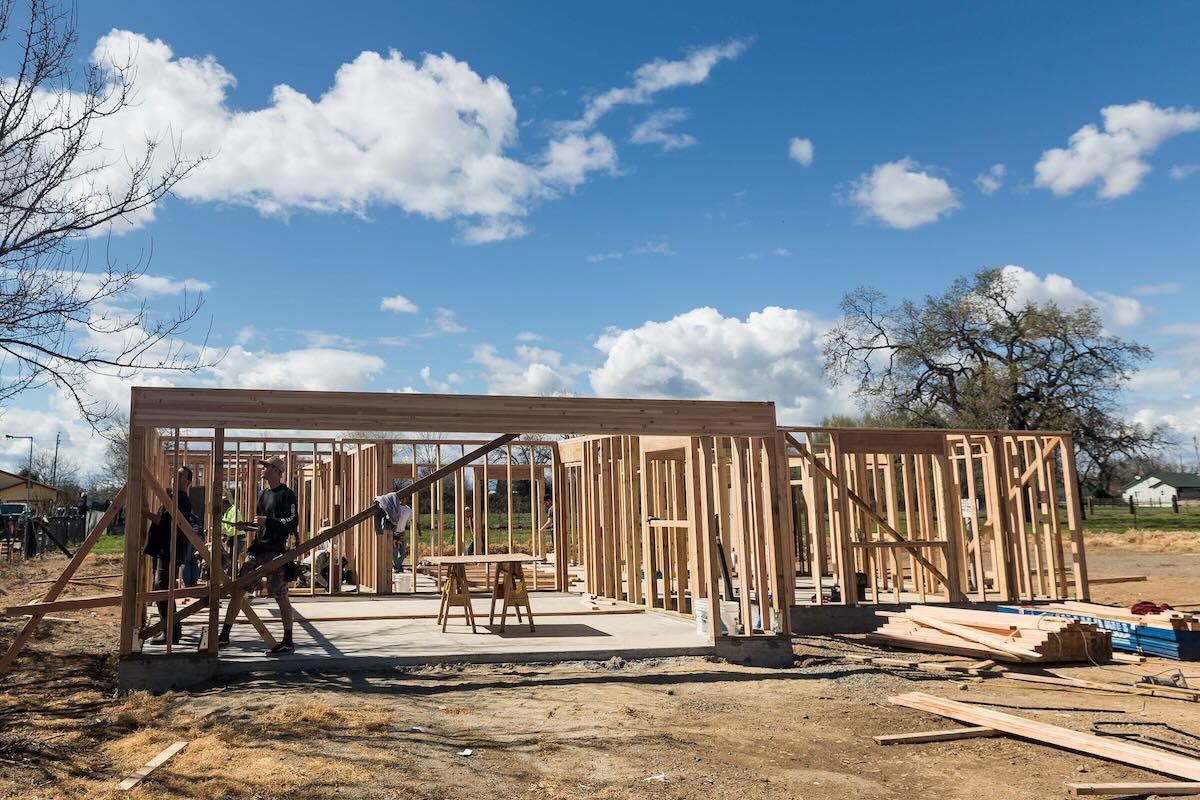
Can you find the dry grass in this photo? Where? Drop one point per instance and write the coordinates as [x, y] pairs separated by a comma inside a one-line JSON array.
[[271, 753], [222, 763], [136, 710], [311, 718], [1146, 541]]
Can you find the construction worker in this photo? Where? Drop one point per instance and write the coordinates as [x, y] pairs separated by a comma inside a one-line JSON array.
[[276, 523], [235, 539]]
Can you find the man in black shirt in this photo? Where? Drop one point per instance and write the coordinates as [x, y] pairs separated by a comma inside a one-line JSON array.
[[158, 546], [276, 520]]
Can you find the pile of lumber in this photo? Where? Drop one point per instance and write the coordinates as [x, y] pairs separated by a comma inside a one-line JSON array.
[[992, 635], [1168, 634]]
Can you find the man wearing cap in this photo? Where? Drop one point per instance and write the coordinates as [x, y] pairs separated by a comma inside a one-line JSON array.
[[276, 520]]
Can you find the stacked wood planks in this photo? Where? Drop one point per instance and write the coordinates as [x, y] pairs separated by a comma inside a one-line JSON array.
[[1169, 634], [987, 634]]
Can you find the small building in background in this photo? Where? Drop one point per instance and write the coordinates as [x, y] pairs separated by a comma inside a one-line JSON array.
[[1159, 488], [14, 489]]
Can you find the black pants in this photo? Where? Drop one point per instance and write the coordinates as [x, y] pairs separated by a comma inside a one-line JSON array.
[[162, 581]]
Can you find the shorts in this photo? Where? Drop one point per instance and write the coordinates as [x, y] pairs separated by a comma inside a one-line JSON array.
[[277, 583]]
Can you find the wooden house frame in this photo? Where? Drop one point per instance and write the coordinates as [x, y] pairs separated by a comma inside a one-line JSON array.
[[662, 504]]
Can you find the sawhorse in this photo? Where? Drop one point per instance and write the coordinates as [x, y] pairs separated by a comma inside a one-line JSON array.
[[455, 592], [510, 585]]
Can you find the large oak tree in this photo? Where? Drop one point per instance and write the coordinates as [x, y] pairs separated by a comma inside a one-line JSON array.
[[978, 356]]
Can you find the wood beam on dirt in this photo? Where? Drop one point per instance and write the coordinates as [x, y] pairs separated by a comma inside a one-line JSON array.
[[140, 775], [1130, 753], [1181, 789], [949, 735]]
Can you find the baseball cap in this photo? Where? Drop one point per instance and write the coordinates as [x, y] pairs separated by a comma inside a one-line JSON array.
[[274, 461]]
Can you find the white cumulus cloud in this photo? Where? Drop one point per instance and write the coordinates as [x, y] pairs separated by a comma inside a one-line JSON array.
[[569, 160], [801, 151], [653, 130], [446, 321], [444, 386], [398, 303], [532, 371], [1029, 287], [773, 354], [990, 182], [903, 194], [1115, 156], [428, 135], [313, 368]]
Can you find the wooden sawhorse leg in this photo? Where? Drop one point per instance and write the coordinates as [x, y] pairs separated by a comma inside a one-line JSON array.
[[515, 594], [497, 592], [456, 592]]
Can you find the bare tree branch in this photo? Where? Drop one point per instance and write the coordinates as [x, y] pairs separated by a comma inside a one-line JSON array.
[[60, 321]]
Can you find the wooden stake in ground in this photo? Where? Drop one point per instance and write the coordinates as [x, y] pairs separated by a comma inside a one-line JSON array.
[[134, 778]]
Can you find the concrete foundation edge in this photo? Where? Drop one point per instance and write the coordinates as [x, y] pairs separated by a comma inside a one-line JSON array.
[[756, 651], [163, 673]]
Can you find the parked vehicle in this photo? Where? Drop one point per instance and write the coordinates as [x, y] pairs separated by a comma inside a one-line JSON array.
[[13, 511]]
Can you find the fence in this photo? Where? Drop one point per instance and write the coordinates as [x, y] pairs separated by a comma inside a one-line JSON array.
[[32, 537], [1132, 504]]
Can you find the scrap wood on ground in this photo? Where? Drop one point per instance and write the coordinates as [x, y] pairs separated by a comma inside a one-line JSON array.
[[1105, 747]]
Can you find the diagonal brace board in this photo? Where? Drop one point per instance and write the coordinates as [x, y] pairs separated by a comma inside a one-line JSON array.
[[866, 507]]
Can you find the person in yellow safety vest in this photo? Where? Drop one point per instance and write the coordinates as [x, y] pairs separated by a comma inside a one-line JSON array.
[[234, 538]]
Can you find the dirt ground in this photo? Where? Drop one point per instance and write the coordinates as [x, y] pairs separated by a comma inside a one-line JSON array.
[[677, 728]]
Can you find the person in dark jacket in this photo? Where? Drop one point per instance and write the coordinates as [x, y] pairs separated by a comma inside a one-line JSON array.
[[276, 521], [158, 545]]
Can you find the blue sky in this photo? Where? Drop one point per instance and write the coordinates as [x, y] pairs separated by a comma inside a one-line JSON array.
[[667, 245]]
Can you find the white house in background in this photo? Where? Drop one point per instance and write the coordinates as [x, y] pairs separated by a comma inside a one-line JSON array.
[[1160, 487]]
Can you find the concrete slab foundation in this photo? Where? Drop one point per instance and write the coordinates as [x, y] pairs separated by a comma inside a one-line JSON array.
[[333, 634]]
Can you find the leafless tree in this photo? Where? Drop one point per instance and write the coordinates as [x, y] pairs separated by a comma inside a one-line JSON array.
[[62, 321]]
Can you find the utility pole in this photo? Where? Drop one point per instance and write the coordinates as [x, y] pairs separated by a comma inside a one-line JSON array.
[[1196, 449], [54, 465]]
